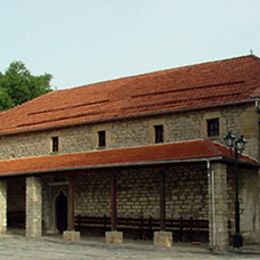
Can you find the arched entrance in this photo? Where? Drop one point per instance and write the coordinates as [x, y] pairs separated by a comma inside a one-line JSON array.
[[61, 212]]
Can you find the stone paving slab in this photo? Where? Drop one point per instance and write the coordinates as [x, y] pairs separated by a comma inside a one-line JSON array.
[[20, 248]]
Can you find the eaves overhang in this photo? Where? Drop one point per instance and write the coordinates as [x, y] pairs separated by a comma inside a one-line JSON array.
[[115, 118], [193, 151]]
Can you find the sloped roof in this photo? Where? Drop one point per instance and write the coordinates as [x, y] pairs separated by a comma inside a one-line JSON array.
[[185, 88], [143, 155]]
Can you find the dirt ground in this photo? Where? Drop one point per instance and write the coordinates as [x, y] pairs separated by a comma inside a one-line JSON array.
[[18, 247]]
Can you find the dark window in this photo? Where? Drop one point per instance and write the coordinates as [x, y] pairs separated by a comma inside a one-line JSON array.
[[101, 138], [55, 144], [213, 127], [158, 134]]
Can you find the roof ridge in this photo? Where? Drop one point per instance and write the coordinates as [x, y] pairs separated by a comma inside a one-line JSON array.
[[161, 71], [212, 146]]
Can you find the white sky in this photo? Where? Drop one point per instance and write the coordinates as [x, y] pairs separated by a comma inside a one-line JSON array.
[[84, 41]]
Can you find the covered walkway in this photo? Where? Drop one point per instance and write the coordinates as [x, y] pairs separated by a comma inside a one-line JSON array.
[[166, 172]]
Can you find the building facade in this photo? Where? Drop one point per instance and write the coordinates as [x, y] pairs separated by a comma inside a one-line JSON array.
[[146, 147]]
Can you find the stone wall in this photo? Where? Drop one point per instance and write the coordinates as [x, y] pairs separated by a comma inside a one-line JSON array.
[[138, 193], [92, 194], [135, 132], [24, 145], [249, 205]]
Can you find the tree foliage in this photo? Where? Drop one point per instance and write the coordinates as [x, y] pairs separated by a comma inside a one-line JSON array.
[[18, 85]]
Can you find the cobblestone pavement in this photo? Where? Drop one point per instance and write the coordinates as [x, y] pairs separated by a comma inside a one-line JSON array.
[[18, 247]]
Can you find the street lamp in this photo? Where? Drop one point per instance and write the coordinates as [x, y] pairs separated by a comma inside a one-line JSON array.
[[238, 145]]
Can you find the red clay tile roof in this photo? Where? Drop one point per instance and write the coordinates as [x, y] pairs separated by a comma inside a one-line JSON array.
[[184, 88], [145, 155]]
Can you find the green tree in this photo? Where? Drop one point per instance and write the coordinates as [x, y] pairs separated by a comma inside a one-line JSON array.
[[5, 100], [18, 85]]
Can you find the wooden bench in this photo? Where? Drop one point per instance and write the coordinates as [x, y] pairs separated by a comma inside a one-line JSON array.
[[88, 221], [187, 229]]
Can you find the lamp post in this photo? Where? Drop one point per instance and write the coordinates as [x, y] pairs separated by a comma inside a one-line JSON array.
[[238, 145]]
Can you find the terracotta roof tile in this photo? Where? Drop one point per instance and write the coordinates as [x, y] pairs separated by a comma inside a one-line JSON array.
[[184, 88], [181, 151]]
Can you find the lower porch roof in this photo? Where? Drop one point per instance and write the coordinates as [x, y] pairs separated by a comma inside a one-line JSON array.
[[186, 151]]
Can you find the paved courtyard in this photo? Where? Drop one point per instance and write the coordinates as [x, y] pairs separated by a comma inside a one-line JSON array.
[[18, 247]]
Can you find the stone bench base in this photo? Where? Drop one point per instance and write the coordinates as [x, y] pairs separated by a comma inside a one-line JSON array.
[[162, 239], [114, 237], [71, 235]]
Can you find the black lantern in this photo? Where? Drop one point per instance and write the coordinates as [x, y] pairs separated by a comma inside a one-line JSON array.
[[230, 140], [238, 145]]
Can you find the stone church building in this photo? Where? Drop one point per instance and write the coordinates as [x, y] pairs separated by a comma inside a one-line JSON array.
[[141, 156]]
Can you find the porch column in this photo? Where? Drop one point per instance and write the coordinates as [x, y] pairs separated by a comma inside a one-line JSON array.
[[218, 209], [3, 203], [114, 236], [113, 202], [33, 207], [162, 238], [162, 201], [70, 233], [71, 205]]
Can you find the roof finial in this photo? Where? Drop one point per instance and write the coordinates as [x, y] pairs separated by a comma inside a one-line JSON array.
[[251, 51]]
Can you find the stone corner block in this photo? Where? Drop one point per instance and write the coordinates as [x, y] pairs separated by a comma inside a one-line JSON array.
[[162, 239], [71, 235], [220, 248], [114, 237], [3, 230], [52, 232]]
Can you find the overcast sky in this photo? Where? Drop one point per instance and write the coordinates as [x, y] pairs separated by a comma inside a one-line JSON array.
[[84, 41]]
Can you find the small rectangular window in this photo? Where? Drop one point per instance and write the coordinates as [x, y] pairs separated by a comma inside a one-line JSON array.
[[213, 127], [55, 144], [158, 134], [101, 138]]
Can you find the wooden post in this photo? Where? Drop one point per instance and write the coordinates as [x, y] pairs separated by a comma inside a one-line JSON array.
[[162, 201], [71, 203], [162, 238], [113, 236], [113, 202]]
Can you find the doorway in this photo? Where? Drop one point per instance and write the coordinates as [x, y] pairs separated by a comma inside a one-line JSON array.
[[61, 211]]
